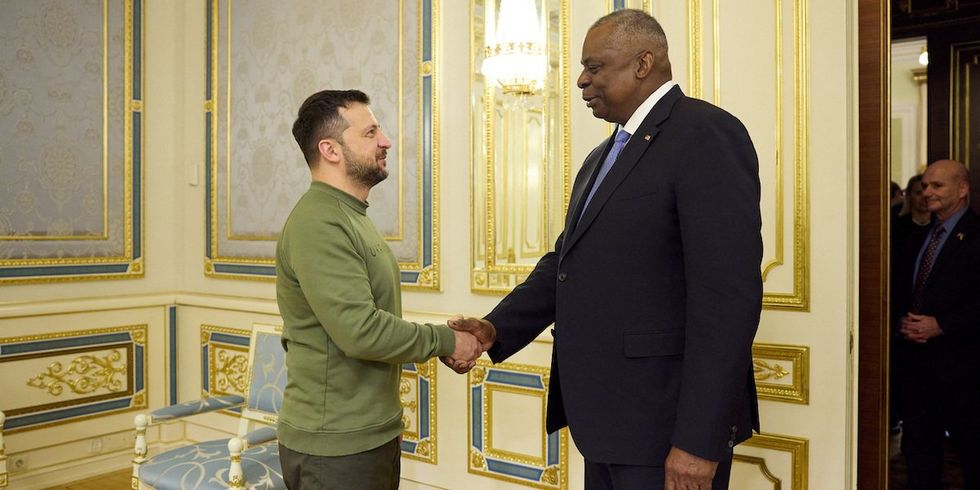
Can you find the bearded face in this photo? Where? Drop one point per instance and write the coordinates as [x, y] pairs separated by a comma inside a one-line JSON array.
[[366, 169]]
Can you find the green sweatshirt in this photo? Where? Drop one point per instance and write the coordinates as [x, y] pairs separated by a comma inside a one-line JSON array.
[[338, 288]]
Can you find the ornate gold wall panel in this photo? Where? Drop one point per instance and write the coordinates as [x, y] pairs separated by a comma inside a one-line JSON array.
[[71, 182], [418, 395], [72, 376], [224, 362], [777, 457], [782, 372], [515, 449], [520, 158], [760, 97], [263, 59]]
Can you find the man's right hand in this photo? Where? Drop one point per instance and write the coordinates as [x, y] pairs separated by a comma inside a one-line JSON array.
[[484, 331], [466, 353]]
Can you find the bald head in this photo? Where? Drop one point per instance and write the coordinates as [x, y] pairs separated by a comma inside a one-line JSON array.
[[946, 187]]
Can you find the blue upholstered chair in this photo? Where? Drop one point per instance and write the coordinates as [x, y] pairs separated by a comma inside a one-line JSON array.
[[250, 460]]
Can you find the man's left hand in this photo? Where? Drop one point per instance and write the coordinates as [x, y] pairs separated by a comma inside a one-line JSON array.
[[685, 471], [920, 328]]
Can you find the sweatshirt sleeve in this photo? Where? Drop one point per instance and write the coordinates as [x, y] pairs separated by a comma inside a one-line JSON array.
[[333, 278]]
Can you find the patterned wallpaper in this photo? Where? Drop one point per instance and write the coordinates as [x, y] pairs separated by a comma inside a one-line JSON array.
[[65, 151], [266, 58]]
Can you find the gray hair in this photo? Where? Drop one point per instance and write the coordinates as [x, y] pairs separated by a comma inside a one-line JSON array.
[[634, 26]]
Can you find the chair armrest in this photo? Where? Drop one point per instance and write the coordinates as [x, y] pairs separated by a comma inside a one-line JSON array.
[[195, 407], [142, 421], [259, 436]]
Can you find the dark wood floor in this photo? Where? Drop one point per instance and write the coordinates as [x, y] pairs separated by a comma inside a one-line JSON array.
[[119, 480]]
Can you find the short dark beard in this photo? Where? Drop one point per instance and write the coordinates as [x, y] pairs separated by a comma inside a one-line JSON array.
[[365, 172]]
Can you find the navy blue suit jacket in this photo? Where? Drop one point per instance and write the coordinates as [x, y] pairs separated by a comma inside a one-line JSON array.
[[655, 293]]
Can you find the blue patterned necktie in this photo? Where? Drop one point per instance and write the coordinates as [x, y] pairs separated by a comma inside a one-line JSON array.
[[925, 267], [621, 137]]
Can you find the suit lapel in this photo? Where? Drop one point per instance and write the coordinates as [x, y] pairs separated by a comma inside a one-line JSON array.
[[591, 168], [628, 158]]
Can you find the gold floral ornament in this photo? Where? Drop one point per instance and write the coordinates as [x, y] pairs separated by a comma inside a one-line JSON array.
[[232, 372], [477, 460], [404, 388], [424, 448], [763, 370], [477, 375], [85, 374], [550, 475]]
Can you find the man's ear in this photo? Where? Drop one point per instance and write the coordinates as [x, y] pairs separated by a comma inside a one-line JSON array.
[[330, 150], [644, 64]]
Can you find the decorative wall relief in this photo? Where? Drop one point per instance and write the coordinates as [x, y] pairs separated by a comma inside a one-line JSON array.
[[418, 396], [264, 58], [71, 130], [71, 376], [507, 439], [83, 375], [224, 362], [782, 372]]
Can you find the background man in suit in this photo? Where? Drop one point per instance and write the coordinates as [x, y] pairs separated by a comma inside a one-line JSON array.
[[654, 286], [938, 311]]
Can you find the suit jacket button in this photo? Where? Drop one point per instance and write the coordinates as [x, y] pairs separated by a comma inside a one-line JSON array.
[[734, 429], [731, 444], [562, 276]]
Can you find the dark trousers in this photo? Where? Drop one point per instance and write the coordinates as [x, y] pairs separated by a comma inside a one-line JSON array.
[[375, 469], [933, 403], [604, 476]]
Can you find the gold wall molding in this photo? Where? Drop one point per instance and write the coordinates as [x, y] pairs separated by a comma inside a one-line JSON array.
[[797, 449], [417, 391], [514, 225], [240, 232], [95, 390], [773, 297], [549, 468], [774, 364], [760, 463], [799, 297], [695, 48], [47, 191]]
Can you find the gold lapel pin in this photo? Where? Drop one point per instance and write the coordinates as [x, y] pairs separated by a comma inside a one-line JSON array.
[[647, 137], [959, 236]]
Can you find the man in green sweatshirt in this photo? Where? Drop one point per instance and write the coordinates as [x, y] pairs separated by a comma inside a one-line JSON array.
[[338, 289]]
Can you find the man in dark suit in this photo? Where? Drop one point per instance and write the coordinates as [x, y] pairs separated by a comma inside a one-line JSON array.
[[938, 317], [654, 286]]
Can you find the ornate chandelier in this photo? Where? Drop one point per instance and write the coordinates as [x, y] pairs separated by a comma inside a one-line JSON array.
[[514, 56]]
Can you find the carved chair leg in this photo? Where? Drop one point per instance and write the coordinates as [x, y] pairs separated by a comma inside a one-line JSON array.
[[236, 478], [141, 421]]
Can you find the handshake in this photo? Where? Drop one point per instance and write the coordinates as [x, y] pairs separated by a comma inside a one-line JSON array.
[[474, 336]]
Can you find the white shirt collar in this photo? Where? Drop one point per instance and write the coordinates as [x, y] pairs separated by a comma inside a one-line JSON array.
[[641, 112]]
